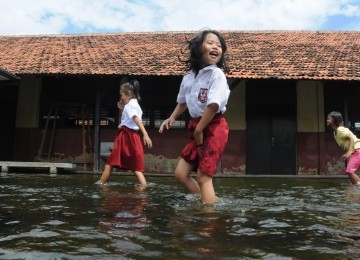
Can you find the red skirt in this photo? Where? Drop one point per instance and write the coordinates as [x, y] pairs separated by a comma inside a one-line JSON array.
[[128, 151], [207, 156]]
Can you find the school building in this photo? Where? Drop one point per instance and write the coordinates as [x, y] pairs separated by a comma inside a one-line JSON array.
[[58, 97]]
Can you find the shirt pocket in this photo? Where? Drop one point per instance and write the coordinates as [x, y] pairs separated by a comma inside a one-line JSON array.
[[202, 91]]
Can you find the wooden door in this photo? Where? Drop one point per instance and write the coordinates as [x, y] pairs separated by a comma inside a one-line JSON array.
[[271, 127]]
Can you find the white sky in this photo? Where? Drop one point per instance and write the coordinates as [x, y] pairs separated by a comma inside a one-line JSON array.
[[25, 17]]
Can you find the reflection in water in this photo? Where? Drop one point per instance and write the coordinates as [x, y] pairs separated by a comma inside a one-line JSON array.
[[199, 226], [69, 217], [351, 219], [124, 214], [124, 217]]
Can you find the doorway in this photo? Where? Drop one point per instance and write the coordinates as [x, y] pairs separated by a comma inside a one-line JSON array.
[[271, 127], [8, 101]]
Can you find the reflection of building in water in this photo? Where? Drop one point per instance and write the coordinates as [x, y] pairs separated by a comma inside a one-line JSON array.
[[124, 214]]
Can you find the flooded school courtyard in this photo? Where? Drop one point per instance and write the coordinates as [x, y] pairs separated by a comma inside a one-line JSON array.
[[69, 217]]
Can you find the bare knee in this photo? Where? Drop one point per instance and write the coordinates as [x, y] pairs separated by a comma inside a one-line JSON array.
[[203, 178], [181, 175], [182, 171]]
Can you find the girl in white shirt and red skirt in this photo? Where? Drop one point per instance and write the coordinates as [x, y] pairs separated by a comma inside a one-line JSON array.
[[128, 152], [204, 92]]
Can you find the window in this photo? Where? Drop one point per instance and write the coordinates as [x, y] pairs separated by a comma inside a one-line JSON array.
[[71, 101], [343, 96], [153, 118]]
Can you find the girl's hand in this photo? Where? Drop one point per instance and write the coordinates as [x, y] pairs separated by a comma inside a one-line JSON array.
[[147, 141], [120, 105], [347, 155], [166, 124], [198, 137]]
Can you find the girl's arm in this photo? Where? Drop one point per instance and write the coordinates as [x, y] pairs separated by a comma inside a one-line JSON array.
[[208, 115], [146, 138], [350, 148], [179, 109]]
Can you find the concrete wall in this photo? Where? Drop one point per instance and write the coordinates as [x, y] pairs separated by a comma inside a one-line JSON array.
[[235, 114], [233, 159], [311, 139], [311, 127], [27, 117], [310, 106], [314, 147], [28, 102]]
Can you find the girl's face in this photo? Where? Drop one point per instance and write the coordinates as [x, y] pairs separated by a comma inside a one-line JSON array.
[[125, 96], [330, 121], [212, 49]]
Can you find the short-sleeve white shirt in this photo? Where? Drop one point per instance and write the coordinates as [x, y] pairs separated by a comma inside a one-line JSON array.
[[209, 86], [131, 109]]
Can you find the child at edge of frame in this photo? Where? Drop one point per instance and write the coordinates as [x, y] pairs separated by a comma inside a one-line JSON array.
[[128, 152], [348, 142], [204, 92]]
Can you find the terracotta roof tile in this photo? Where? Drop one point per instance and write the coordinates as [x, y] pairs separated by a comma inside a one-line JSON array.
[[257, 54]]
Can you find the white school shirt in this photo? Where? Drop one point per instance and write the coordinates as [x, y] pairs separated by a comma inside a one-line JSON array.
[[209, 86], [131, 109]]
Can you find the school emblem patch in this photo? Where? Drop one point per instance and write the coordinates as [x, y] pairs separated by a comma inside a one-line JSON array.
[[202, 97]]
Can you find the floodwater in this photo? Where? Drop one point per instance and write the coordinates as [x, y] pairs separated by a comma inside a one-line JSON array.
[[69, 217]]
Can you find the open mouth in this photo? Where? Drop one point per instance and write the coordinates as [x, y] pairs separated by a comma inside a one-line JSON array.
[[214, 54]]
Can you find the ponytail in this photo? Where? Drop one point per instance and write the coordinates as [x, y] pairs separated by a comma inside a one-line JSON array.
[[136, 88], [133, 87]]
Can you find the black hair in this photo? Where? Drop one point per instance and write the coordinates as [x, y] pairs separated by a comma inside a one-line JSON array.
[[194, 45], [337, 117], [134, 87]]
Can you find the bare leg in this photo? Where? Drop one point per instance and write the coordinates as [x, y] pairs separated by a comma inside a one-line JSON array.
[[106, 174], [354, 178], [140, 177], [182, 175], [207, 191]]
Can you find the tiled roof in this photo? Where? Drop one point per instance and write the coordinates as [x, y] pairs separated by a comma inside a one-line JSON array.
[[256, 54]]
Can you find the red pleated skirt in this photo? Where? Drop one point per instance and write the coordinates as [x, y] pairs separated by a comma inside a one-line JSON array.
[[128, 151], [206, 157]]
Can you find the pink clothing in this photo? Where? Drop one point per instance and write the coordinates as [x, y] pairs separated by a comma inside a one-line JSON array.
[[354, 162]]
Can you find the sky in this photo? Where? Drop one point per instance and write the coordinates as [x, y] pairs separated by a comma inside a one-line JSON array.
[[38, 17]]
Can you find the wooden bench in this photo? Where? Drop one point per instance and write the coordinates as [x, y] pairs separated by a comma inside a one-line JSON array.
[[5, 165]]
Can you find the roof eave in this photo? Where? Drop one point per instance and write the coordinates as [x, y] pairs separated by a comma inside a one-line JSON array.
[[5, 75]]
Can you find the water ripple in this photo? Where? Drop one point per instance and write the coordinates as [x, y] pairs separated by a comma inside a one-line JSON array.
[[252, 219]]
